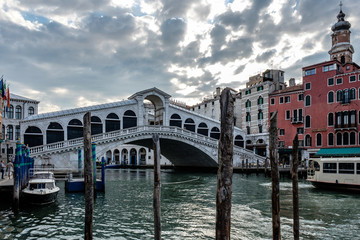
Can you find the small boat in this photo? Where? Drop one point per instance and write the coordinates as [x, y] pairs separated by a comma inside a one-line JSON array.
[[41, 189], [335, 173]]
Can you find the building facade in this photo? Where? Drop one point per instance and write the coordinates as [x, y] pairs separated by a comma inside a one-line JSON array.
[[19, 109]]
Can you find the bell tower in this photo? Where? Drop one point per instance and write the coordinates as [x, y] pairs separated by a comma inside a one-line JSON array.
[[341, 49]]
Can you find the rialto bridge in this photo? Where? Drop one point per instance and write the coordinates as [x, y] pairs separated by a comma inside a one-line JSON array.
[[186, 138]]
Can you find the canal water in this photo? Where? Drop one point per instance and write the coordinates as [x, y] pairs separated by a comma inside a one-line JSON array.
[[188, 204]]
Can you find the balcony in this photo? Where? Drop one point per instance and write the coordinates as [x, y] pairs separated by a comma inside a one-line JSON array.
[[342, 126], [296, 120]]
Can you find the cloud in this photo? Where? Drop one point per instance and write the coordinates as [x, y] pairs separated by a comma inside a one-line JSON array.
[[107, 50]]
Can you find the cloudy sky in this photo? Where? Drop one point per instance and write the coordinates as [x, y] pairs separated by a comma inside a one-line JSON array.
[[74, 53]]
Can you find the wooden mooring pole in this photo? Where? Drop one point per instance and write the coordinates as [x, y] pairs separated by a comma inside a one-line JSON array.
[[275, 192], [88, 178], [295, 187], [225, 169], [157, 187]]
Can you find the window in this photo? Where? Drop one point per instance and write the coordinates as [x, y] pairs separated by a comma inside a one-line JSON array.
[[248, 130], [346, 96], [307, 86], [248, 103], [339, 95], [272, 100], [31, 111], [260, 129], [247, 91], [17, 132], [307, 100], [352, 78], [352, 138], [331, 119], [281, 144], [308, 141], [10, 112], [282, 132], [260, 88], [287, 116], [358, 168], [338, 81], [339, 139], [205, 104], [287, 99], [331, 139], [330, 81], [329, 168], [307, 122], [346, 138], [213, 103], [281, 100], [10, 132], [352, 94], [248, 117], [331, 97], [18, 112], [346, 168], [260, 101], [329, 67], [318, 139], [260, 115], [300, 130], [301, 97], [310, 72]]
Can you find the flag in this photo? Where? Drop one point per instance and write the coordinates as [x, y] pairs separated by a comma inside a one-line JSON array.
[[3, 90], [8, 97], [2, 87]]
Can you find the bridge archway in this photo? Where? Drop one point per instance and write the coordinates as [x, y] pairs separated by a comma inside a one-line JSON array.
[[158, 106]]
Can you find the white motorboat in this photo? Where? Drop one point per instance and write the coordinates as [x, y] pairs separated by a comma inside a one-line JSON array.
[[41, 188]]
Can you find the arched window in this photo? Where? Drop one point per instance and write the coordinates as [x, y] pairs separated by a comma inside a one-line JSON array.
[[339, 95], [239, 141], [331, 139], [18, 112], [260, 101], [175, 120], [331, 119], [74, 129], [352, 93], [129, 119], [31, 111], [318, 139], [308, 140], [112, 122], [33, 136], [10, 112], [308, 100], [10, 132], [215, 133], [307, 121], [339, 139], [331, 97], [54, 133], [189, 125], [17, 132], [346, 138], [352, 138], [96, 125], [203, 129], [248, 103]]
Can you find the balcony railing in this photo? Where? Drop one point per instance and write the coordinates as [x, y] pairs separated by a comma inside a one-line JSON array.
[[296, 120]]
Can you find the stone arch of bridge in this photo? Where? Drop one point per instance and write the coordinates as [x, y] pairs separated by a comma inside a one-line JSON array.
[[181, 152]]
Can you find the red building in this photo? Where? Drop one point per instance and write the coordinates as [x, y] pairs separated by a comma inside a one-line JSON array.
[[330, 107]]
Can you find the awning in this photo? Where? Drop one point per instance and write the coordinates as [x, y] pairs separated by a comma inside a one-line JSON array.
[[338, 152]]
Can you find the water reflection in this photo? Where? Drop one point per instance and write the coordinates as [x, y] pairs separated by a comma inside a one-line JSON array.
[[188, 204]]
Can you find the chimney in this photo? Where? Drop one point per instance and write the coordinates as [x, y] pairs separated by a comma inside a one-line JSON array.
[[292, 82], [218, 91]]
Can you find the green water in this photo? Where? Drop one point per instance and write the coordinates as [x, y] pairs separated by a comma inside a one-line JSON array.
[[188, 204]]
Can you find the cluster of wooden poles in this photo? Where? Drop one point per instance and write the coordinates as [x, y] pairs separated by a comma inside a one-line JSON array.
[[224, 176]]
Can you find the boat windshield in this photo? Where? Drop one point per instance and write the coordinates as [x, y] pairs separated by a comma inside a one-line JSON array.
[[42, 175], [34, 186]]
